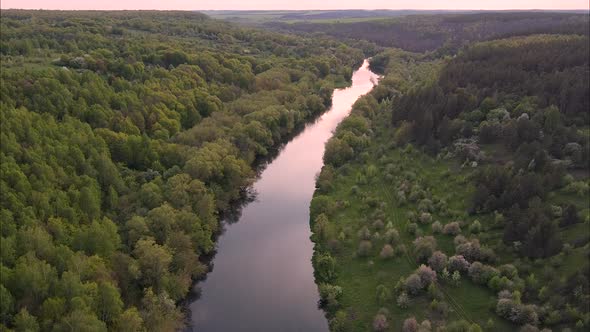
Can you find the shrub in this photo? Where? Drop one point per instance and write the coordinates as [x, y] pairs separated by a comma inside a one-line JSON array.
[[425, 206], [412, 228], [376, 236], [325, 267], [458, 263], [438, 261], [320, 227], [380, 323], [413, 284], [378, 224], [481, 274], [403, 300], [391, 236], [330, 296], [364, 233], [436, 227], [570, 216], [424, 247], [386, 252], [425, 218], [426, 274], [456, 278], [365, 248], [383, 294], [475, 227], [472, 251], [452, 228], [410, 325]]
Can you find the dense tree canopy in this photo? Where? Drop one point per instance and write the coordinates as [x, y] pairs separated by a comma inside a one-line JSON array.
[[123, 135]]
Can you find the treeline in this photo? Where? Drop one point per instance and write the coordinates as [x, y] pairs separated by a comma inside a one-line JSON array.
[[445, 33], [123, 136]]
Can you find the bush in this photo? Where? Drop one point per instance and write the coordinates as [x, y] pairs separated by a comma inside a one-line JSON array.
[[403, 300], [364, 233], [386, 252], [383, 294], [365, 248], [425, 218], [325, 267], [438, 261], [391, 236], [330, 296], [426, 274], [475, 227], [481, 274], [410, 325], [458, 263], [413, 284], [380, 323], [452, 228], [424, 247], [412, 228], [436, 227]]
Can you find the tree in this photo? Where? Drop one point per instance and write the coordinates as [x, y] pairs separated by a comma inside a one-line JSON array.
[[129, 321], [380, 323], [32, 279], [154, 261], [438, 261], [452, 228], [413, 284], [159, 312], [90, 202], [330, 296], [25, 322], [403, 300], [426, 274], [6, 305], [424, 247], [108, 302], [325, 267], [364, 248], [570, 216], [386, 252], [80, 320], [337, 152], [410, 325]]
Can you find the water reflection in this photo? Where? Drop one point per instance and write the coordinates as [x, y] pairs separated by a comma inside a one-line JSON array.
[[263, 279]]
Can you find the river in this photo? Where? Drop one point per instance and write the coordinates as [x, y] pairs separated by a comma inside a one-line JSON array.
[[262, 278]]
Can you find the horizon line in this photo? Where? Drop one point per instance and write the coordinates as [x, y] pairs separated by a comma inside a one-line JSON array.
[[310, 9]]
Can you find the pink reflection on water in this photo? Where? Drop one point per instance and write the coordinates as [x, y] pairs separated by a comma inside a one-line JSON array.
[[262, 278]]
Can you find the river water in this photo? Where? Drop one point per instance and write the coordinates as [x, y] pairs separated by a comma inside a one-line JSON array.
[[262, 278]]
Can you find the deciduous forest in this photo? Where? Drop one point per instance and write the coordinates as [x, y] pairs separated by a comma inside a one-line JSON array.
[[124, 136], [454, 197]]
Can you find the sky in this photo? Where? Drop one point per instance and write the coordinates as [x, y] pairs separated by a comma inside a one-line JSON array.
[[293, 4]]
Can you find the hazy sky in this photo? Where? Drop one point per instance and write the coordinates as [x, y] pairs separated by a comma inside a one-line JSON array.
[[294, 4]]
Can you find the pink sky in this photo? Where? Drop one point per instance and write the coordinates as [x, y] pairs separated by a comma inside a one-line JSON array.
[[291, 4]]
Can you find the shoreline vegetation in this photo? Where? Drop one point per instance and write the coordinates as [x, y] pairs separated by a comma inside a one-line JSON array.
[[452, 198], [123, 135]]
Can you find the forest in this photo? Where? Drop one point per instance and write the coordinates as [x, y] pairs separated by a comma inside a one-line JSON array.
[[124, 138], [444, 33], [455, 197]]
